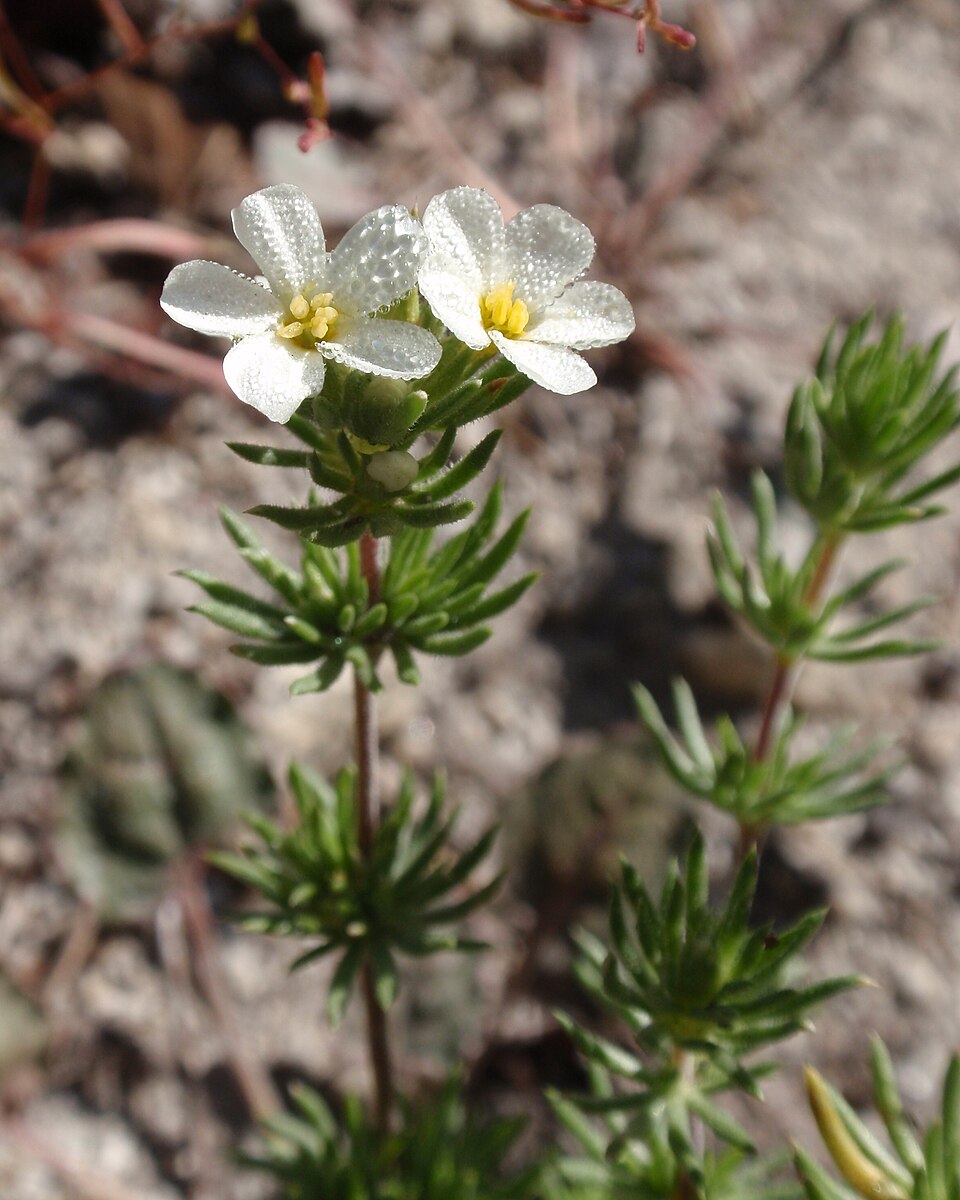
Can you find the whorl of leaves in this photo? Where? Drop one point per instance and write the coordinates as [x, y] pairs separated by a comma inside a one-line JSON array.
[[781, 789], [433, 600], [867, 419], [651, 1154], [776, 600], [400, 898], [683, 979]]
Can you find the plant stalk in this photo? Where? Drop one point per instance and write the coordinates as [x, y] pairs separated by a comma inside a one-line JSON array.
[[368, 817], [781, 682]]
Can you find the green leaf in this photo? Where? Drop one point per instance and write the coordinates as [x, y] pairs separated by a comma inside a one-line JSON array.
[[270, 456], [341, 985], [454, 644], [312, 518], [466, 470], [325, 676], [428, 516], [722, 1124], [240, 619], [385, 980]]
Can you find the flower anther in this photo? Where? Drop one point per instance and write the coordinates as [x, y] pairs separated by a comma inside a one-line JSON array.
[[514, 286], [311, 305], [502, 312]]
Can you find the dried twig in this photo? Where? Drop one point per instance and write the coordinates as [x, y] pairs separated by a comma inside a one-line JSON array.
[[254, 1081]]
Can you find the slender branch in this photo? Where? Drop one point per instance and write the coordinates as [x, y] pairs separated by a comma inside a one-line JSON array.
[[784, 673], [119, 20], [252, 1075], [368, 816], [772, 705]]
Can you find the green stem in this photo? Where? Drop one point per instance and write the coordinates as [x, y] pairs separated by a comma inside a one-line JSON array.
[[368, 816], [784, 673]]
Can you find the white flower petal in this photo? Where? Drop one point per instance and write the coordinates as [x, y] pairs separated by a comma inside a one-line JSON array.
[[546, 249], [587, 314], [273, 375], [395, 349], [457, 305], [377, 260], [553, 367], [280, 229], [464, 227], [215, 300]]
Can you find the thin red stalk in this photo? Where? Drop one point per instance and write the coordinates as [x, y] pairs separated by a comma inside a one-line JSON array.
[[779, 689], [15, 55], [121, 233], [119, 21], [368, 805], [111, 335], [175, 33], [37, 190]]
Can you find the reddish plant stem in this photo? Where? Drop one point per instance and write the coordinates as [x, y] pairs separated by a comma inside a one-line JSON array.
[[368, 817], [120, 22], [252, 1076], [777, 693]]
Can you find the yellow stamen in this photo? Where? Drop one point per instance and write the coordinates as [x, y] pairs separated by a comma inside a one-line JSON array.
[[313, 318], [500, 311]]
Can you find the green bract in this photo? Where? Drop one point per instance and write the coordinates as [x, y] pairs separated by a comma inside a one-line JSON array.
[[871, 414], [781, 789], [352, 429], [433, 600], [398, 898]]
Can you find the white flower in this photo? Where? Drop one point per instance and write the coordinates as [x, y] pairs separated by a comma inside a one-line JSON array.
[[311, 306], [513, 286]]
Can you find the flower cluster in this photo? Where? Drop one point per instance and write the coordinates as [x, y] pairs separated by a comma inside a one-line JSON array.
[[508, 288]]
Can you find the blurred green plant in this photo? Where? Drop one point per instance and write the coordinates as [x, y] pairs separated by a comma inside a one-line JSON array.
[[926, 1168], [615, 1164], [437, 1152]]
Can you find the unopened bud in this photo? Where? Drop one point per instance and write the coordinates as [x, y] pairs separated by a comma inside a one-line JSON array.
[[393, 469]]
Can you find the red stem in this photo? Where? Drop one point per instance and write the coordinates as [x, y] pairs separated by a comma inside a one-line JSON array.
[[779, 689], [368, 815]]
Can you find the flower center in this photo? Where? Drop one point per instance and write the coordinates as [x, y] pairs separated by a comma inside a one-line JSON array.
[[499, 310], [315, 317]]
